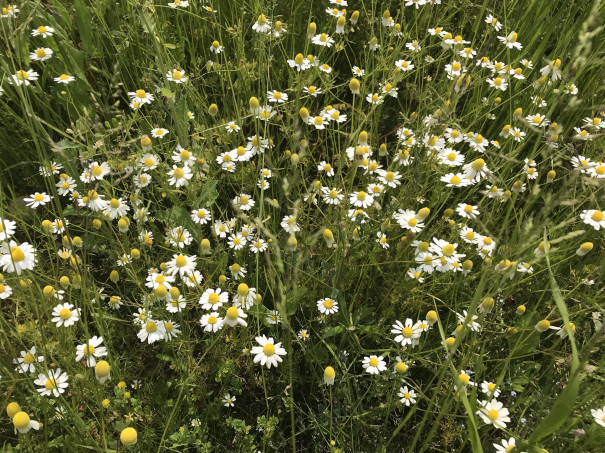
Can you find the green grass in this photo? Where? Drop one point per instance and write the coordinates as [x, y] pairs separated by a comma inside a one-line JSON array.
[[549, 384]]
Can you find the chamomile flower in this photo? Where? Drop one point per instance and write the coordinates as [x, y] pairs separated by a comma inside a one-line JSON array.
[[228, 400], [235, 316], [243, 202], [65, 315], [510, 41], [374, 364], [289, 224], [179, 176], [407, 396], [52, 383], [159, 132], [490, 389], [599, 415], [64, 78], [211, 322], [468, 211], [322, 40], [594, 218], [493, 22], [37, 199], [41, 54], [262, 25], [90, 351], [23, 423], [43, 30], [152, 331], [381, 239], [494, 413], [407, 333], [327, 306], [176, 76], [141, 96], [28, 360], [268, 352], [182, 264], [361, 199], [505, 446], [179, 4], [16, 257]]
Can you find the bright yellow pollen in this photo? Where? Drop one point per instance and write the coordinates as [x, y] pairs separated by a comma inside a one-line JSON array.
[[407, 332], [212, 320], [233, 313], [464, 378], [151, 327], [493, 414], [28, 359], [361, 195], [141, 94], [597, 216], [178, 173], [269, 349], [328, 303], [468, 209], [38, 197], [65, 314], [88, 349], [448, 250], [181, 261], [50, 384], [373, 362]]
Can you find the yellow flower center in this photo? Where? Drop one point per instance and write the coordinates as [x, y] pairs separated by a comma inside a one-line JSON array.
[[89, 349], [328, 303], [28, 359], [373, 362], [38, 197], [151, 327], [464, 378], [407, 332], [181, 261], [448, 250], [65, 314], [269, 349], [468, 209], [50, 384], [179, 173], [493, 414], [212, 320], [361, 196], [232, 313], [491, 386], [22, 75], [456, 67], [597, 216]]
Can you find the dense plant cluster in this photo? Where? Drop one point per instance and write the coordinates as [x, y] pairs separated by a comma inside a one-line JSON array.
[[272, 226]]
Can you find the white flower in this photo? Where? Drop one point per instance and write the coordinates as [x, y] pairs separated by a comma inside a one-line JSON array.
[[41, 54], [27, 362], [7, 228], [382, 240], [200, 216], [158, 132], [468, 211], [181, 264], [228, 400], [361, 199], [152, 331], [37, 199], [24, 77], [327, 306], [43, 30], [23, 423], [268, 353], [211, 322], [374, 364], [289, 224], [490, 389], [65, 315], [141, 96], [407, 396], [599, 415], [505, 446], [179, 176], [91, 350], [235, 316], [64, 78], [408, 333], [232, 127], [52, 384], [494, 413], [510, 41], [322, 40], [594, 218], [243, 202]]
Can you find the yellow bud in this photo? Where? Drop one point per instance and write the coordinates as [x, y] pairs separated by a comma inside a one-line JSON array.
[[312, 29], [64, 281], [213, 110], [114, 276], [96, 223], [135, 253], [47, 225]]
